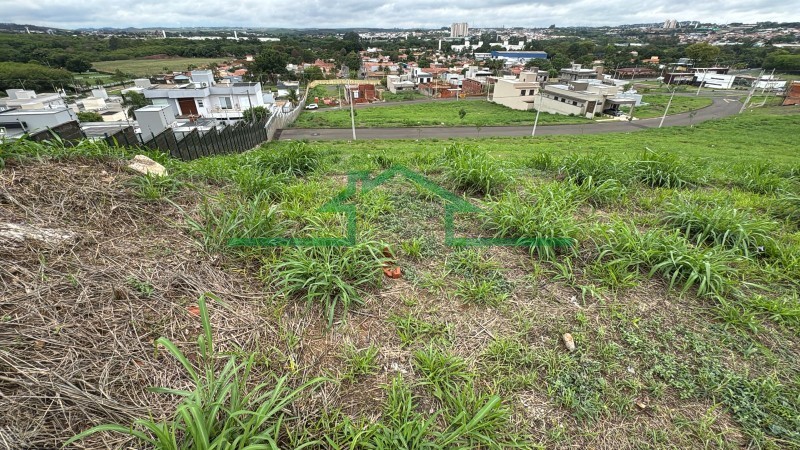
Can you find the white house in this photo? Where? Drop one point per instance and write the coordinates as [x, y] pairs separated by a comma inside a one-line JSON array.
[[399, 83], [517, 93], [16, 122], [22, 99], [714, 80], [580, 98], [203, 97]]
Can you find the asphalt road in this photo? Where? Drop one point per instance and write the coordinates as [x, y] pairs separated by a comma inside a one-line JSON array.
[[721, 107]]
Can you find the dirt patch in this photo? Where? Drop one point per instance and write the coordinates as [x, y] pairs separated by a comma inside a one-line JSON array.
[[79, 319]]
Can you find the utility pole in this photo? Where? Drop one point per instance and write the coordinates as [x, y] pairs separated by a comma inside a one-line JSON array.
[[705, 75], [352, 115], [536, 120], [750, 94], [667, 108]]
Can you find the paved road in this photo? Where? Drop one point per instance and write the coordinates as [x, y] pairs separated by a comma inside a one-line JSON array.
[[721, 107]]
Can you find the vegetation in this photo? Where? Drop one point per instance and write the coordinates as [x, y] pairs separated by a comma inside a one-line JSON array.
[[435, 113], [679, 290], [89, 116], [656, 104], [145, 67]]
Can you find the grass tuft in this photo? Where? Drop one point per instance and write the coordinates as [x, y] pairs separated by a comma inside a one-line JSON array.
[[472, 171]]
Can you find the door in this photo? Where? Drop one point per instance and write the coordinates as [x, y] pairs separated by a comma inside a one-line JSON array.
[[188, 106]]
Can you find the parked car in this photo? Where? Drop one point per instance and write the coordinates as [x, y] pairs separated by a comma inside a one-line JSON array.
[[312, 106], [612, 112]]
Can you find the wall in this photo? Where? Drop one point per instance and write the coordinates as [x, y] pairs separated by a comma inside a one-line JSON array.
[[507, 93]]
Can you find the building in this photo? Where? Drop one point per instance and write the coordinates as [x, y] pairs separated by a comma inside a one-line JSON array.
[[636, 72], [203, 97], [16, 122], [714, 80], [576, 72], [584, 98], [458, 30], [400, 83], [22, 99], [517, 93], [518, 57], [792, 94], [419, 76]]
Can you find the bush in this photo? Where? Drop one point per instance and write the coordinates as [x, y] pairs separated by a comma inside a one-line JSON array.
[[473, 171]]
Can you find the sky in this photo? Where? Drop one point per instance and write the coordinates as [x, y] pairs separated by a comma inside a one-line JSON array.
[[388, 14]]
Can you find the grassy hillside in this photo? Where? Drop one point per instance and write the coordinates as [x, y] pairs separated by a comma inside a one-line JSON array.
[[142, 67], [678, 288]]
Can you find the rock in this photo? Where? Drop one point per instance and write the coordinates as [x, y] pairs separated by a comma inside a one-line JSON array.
[[147, 166], [569, 342], [21, 233]]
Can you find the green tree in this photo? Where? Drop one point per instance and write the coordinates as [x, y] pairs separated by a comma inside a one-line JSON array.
[[271, 63], [292, 97], [89, 116], [78, 65], [702, 53], [313, 73], [32, 76], [256, 114], [134, 101]]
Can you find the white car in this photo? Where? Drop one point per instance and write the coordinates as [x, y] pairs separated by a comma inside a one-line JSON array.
[[312, 106]]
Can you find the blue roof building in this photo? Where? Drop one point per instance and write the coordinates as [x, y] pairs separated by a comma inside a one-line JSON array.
[[522, 56]]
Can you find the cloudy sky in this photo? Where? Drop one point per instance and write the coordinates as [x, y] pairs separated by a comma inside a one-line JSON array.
[[388, 14]]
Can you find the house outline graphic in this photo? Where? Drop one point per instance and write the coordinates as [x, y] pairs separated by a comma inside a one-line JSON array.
[[453, 205]]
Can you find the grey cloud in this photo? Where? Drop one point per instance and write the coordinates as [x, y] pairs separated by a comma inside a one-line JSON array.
[[405, 14]]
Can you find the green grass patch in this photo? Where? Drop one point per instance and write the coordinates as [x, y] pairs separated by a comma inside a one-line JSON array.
[[144, 67], [479, 113]]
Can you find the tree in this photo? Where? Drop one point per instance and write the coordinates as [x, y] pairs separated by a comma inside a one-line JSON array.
[[353, 62], [313, 73], [702, 53], [271, 63], [32, 76], [134, 101], [292, 97], [89, 116], [78, 65], [256, 114]]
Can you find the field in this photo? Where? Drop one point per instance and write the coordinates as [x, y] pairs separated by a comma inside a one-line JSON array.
[[657, 103], [142, 67], [436, 113], [618, 291]]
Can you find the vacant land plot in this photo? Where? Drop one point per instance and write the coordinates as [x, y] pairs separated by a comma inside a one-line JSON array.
[[656, 104], [436, 113], [142, 67], [637, 298]]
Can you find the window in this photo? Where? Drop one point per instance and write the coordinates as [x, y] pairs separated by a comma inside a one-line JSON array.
[[200, 104], [522, 92], [574, 103], [225, 103]]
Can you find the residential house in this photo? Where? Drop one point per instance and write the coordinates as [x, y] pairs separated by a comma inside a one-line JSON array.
[[580, 99], [203, 97], [16, 122], [517, 93], [22, 99], [576, 72], [400, 83]]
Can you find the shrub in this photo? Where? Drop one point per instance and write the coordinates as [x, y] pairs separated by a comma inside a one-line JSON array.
[[721, 225], [331, 276], [541, 161], [473, 171]]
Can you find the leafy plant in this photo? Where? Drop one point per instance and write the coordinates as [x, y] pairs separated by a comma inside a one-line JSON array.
[[665, 170], [473, 171], [411, 330], [153, 187], [224, 410], [720, 224], [222, 219], [298, 159], [332, 277], [359, 361]]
